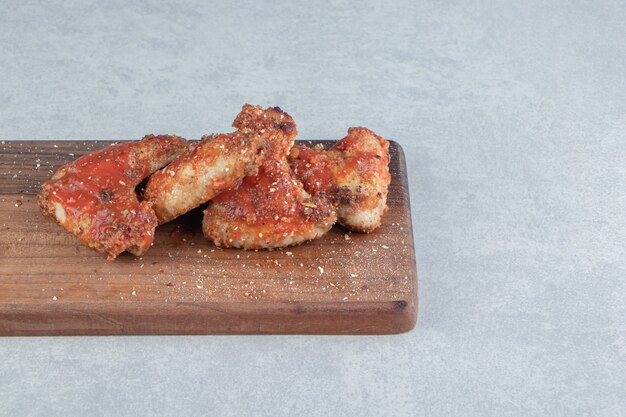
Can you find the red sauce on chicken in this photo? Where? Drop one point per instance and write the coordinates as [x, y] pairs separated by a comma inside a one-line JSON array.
[[96, 179], [314, 168], [97, 193]]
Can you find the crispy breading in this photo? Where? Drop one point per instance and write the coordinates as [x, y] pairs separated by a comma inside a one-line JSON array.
[[270, 209], [94, 196], [219, 162], [213, 165], [278, 128], [354, 173]]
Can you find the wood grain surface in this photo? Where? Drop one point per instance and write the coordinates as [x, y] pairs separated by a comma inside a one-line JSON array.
[[50, 284]]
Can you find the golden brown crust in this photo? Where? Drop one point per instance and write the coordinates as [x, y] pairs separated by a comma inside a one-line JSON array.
[[278, 127], [213, 165], [94, 196], [219, 162], [354, 173], [270, 209]]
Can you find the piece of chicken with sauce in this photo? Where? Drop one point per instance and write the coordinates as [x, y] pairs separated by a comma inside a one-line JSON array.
[[213, 165], [270, 209], [94, 196], [354, 173]]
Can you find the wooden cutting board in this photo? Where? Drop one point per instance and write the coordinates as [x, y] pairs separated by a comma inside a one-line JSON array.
[[50, 284]]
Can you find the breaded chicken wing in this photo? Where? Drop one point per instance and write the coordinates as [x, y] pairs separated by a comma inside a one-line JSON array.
[[215, 164], [94, 196], [354, 173], [277, 127], [270, 209], [218, 162]]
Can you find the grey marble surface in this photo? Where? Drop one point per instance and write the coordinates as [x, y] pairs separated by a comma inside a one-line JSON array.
[[513, 118]]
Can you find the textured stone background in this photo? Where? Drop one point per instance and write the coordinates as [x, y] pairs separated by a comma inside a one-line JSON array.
[[513, 118]]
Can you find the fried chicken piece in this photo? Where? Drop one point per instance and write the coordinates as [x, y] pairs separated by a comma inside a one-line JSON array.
[[278, 127], [215, 164], [270, 209], [94, 196], [354, 173]]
